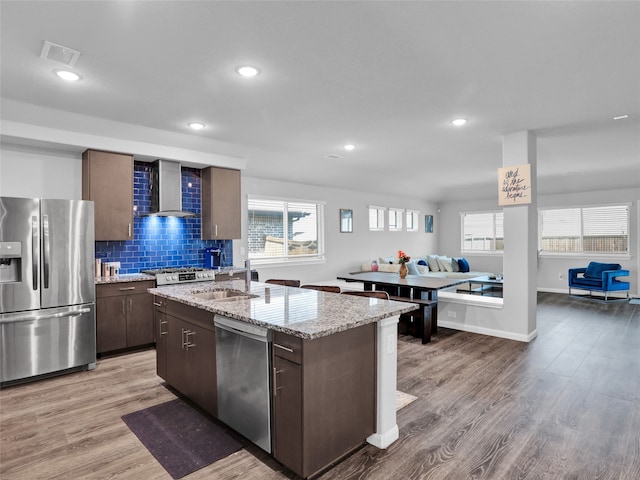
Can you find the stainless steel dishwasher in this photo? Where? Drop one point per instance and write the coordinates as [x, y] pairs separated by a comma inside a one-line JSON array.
[[242, 370]]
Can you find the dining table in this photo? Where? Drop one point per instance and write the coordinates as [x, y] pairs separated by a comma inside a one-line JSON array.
[[421, 323]]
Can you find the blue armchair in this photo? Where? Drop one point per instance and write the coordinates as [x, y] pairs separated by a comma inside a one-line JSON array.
[[599, 277]]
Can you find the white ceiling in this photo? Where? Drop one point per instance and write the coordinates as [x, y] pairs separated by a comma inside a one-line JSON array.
[[387, 76]]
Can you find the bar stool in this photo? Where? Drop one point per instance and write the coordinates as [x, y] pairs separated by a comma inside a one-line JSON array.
[[323, 288], [369, 293], [286, 283]]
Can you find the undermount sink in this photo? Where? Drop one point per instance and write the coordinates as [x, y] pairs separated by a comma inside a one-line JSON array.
[[219, 295]]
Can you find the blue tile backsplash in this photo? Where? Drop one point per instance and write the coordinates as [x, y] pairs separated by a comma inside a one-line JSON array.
[[163, 241]]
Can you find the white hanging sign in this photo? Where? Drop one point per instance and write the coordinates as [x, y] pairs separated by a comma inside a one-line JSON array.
[[514, 185]]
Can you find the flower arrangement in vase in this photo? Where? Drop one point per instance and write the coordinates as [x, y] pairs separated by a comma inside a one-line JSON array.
[[402, 259]]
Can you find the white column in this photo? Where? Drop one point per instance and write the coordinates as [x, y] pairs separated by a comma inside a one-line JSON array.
[[520, 261], [387, 351]]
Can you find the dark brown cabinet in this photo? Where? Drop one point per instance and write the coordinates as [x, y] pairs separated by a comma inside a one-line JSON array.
[[188, 353], [323, 397], [221, 204], [124, 316], [160, 334], [107, 180]]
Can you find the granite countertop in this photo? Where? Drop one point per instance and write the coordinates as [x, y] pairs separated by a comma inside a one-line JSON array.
[[300, 312], [127, 277]]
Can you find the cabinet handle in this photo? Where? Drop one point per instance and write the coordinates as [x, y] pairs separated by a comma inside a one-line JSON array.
[[189, 344], [124, 313], [126, 288], [157, 304], [129, 226], [216, 234], [130, 306], [282, 347], [163, 322], [275, 381]]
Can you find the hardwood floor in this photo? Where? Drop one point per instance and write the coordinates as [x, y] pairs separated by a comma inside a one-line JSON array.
[[565, 406]]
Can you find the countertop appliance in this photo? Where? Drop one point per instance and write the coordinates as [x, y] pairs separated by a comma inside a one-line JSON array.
[[242, 372], [47, 292]]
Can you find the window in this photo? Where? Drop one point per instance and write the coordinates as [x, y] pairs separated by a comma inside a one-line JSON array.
[[600, 229], [395, 219], [283, 231], [376, 218], [483, 232], [412, 220]]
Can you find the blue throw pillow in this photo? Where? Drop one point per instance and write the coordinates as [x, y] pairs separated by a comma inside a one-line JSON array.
[[463, 264], [422, 262], [595, 269], [412, 269]]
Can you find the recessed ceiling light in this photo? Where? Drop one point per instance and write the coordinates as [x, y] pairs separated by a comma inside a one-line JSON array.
[[349, 147], [67, 75], [458, 122], [248, 71], [621, 117], [196, 125]]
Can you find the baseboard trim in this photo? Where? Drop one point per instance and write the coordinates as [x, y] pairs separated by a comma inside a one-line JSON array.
[[488, 331]]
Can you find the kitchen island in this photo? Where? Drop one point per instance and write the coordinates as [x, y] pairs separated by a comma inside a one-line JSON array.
[[332, 365]]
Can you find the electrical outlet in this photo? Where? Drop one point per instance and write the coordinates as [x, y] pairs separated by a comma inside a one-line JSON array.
[[560, 276], [451, 314]]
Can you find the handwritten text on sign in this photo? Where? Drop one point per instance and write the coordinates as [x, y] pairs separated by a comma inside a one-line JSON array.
[[514, 185]]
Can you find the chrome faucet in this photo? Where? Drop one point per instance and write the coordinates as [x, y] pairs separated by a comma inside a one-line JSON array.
[[247, 274]]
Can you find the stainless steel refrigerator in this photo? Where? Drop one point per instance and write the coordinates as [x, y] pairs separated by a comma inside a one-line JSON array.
[[47, 292]]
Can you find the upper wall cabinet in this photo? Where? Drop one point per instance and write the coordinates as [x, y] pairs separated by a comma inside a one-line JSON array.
[[107, 179], [221, 205]]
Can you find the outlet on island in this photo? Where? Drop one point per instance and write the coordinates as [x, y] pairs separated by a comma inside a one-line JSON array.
[[451, 314]]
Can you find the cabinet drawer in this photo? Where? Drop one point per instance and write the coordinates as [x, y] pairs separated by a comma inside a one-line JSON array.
[[159, 304], [287, 346], [126, 288], [190, 314]]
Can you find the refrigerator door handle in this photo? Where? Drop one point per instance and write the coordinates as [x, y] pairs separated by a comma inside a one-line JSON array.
[[29, 318], [35, 266], [46, 250]]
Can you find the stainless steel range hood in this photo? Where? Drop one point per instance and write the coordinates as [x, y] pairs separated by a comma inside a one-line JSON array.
[[166, 190]]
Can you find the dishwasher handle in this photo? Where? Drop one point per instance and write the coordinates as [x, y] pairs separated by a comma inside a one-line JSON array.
[[254, 332]]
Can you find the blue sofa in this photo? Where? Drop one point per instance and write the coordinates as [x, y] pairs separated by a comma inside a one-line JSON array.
[[599, 277]]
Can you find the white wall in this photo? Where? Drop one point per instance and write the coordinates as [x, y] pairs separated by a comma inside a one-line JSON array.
[[345, 252], [36, 173], [549, 268]]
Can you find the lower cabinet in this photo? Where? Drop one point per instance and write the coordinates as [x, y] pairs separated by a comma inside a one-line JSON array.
[[124, 316], [323, 397], [186, 352]]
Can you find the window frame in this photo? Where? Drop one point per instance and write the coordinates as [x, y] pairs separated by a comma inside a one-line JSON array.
[[582, 253], [495, 238], [398, 214], [380, 214], [414, 215], [319, 257]]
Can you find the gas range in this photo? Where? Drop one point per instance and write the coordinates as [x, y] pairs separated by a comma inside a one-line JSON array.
[[172, 276]]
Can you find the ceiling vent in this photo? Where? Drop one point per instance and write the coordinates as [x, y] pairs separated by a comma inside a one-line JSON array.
[[58, 53]]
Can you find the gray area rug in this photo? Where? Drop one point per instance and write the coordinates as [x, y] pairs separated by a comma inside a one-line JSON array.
[[182, 439]]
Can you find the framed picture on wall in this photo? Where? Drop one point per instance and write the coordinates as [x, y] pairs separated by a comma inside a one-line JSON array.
[[346, 220], [428, 223]]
